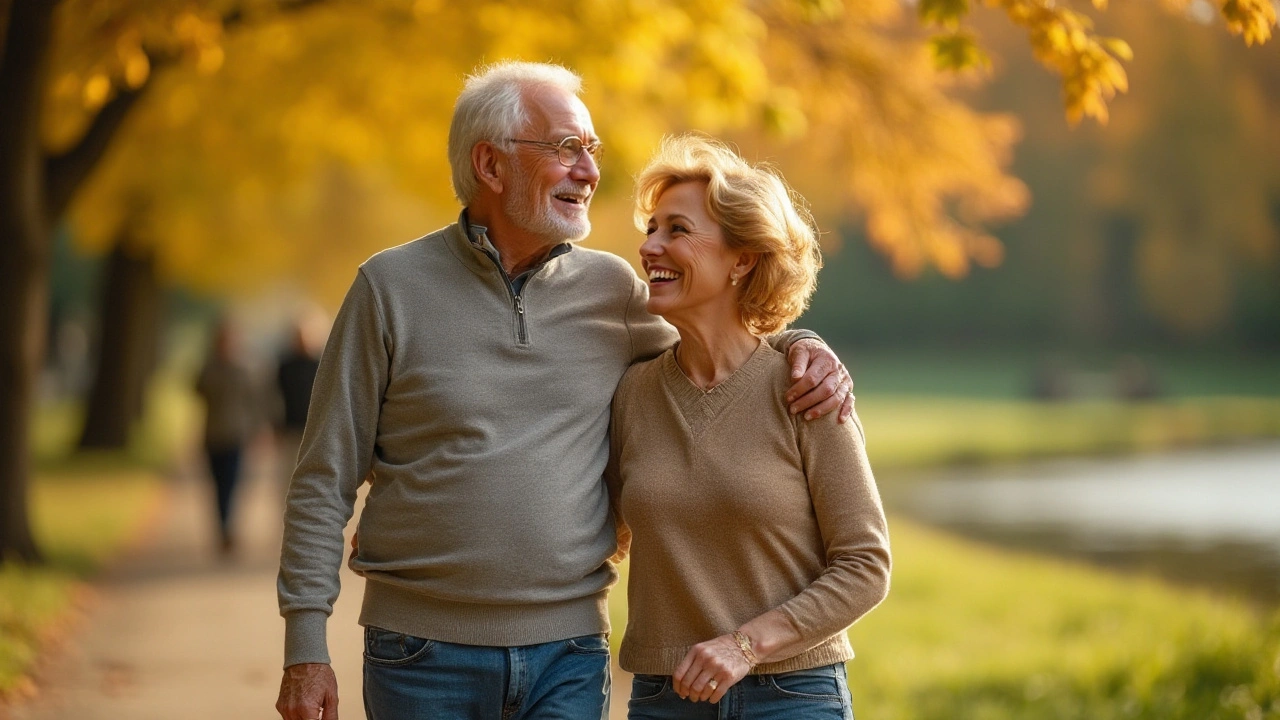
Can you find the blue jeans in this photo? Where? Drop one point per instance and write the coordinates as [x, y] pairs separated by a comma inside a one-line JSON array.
[[816, 694], [408, 678]]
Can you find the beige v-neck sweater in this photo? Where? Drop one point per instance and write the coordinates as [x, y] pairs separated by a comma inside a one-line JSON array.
[[736, 508]]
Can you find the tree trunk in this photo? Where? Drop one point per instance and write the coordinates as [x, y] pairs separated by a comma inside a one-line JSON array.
[[35, 190], [129, 326], [24, 261]]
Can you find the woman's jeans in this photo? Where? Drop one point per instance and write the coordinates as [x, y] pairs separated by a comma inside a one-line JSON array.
[[409, 678], [815, 694]]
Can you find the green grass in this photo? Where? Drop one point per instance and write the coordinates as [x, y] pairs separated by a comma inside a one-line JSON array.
[[81, 520], [915, 432], [971, 632]]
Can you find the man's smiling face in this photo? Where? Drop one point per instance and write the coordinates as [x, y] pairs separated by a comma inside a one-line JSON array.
[[545, 198]]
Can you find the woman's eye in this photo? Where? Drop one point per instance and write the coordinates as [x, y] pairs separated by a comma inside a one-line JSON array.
[[650, 230], [678, 229]]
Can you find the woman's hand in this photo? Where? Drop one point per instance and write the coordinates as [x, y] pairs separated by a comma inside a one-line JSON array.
[[709, 669]]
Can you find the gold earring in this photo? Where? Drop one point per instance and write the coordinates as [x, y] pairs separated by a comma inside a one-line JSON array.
[[733, 279]]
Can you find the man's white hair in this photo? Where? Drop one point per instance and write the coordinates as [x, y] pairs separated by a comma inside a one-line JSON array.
[[491, 107]]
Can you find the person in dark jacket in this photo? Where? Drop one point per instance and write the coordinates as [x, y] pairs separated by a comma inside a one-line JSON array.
[[294, 378]]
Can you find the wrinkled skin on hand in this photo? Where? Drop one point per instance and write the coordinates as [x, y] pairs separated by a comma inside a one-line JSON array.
[[718, 659], [308, 691], [822, 383]]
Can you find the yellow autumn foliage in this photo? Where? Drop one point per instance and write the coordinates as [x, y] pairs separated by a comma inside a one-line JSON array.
[[258, 113]]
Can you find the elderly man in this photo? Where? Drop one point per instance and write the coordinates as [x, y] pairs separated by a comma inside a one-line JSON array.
[[469, 376]]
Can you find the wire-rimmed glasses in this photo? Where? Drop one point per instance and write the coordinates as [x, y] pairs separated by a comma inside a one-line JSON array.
[[569, 150]]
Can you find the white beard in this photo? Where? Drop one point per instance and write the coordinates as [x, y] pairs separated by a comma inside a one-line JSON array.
[[535, 212]]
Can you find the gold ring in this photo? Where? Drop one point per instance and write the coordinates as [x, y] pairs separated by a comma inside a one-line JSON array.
[[713, 684]]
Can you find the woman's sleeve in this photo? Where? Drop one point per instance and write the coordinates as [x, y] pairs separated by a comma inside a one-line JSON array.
[[855, 535]]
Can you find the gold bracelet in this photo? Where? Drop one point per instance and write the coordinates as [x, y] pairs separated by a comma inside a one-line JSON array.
[[744, 644]]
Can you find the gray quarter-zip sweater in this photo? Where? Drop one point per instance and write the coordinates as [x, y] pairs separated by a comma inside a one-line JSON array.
[[480, 415]]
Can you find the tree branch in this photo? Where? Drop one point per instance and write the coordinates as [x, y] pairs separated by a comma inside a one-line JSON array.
[[65, 173]]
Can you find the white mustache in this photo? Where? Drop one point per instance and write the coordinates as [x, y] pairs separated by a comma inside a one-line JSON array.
[[572, 188]]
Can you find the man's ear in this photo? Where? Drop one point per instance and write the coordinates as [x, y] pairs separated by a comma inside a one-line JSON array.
[[488, 165]]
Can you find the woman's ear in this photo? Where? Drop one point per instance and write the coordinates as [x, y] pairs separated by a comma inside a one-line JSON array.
[[487, 164], [745, 263]]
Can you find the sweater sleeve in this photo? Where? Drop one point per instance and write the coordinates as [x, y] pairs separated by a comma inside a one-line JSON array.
[[613, 481], [783, 341], [855, 535], [335, 457]]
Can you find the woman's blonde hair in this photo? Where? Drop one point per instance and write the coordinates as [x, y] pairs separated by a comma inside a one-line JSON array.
[[757, 212]]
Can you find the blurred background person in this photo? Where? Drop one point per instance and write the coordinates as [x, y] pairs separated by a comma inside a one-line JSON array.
[[295, 375], [231, 415]]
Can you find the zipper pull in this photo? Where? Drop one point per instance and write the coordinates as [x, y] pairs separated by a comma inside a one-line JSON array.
[[519, 305]]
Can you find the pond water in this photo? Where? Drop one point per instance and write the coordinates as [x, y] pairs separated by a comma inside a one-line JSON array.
[[1208, 517]]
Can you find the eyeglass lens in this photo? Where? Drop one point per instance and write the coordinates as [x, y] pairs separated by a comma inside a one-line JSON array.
[[571, 150]]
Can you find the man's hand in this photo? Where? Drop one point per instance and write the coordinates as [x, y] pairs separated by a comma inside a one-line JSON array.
[[821, 382], [308, 692]]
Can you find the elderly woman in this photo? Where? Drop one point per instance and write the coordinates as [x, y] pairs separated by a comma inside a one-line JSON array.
[[756, 538]]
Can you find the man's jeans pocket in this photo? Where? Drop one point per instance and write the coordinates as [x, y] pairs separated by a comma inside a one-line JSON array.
[[589, 645], [392, 649]]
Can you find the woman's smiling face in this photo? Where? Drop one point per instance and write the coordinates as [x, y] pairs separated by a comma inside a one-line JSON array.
[[685, 256]]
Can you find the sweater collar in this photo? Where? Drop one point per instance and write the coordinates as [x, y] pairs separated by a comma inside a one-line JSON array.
[[477, 237], [699, 406]]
